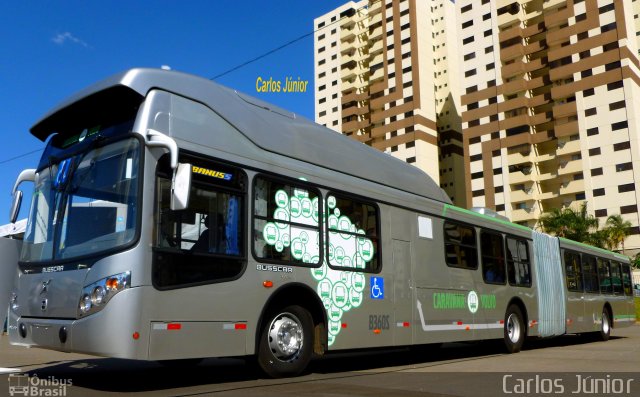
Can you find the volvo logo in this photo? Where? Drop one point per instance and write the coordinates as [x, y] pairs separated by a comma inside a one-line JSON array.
[[45, 302]]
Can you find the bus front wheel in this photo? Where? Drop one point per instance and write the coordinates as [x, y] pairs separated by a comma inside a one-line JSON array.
[[514, 329], [286, 342]]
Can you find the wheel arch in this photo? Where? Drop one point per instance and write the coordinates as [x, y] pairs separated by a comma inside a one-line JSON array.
[[523, 309], [302, 295]]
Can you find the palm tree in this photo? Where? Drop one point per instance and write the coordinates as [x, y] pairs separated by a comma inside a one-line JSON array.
[[573, 224], [617, 231]]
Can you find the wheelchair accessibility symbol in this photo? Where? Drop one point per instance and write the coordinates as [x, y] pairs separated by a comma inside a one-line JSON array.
[[377, 288]]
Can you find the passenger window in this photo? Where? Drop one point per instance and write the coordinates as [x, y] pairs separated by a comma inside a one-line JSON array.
[[518, 263], [204, 242], [493, 260], [590, 273], [573, 270], [460, 245], [616, 278], [353, 235], [285, 225], [604, 275], [626, 280]]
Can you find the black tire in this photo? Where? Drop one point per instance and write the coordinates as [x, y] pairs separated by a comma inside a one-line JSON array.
[[286, 342], [514, 329], [605, 326]]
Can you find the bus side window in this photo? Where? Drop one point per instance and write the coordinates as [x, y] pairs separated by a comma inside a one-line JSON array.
[[604, 274], [616, 278], [460, 245], [285, 222], [518, 263], [493, 260], [626, 279], [352, 233], [573, 269], [590, 273]]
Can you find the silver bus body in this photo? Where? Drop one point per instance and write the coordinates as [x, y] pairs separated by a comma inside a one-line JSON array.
[[407, 278]]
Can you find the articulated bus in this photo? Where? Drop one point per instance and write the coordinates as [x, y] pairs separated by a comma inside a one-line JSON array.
[[173, 219]]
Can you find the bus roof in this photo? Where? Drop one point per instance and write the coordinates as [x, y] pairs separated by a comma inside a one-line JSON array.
[[269, 127]]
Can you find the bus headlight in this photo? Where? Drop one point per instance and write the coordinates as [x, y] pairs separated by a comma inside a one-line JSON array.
[[95, 296]]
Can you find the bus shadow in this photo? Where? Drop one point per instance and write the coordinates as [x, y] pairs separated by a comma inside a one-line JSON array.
[[122, 376]]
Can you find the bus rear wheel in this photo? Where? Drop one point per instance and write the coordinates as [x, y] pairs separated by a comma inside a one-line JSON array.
[[514, 329], [286, 342], [605, 326]]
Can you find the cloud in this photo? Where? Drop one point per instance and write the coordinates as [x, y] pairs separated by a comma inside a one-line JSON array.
[[62, 38]]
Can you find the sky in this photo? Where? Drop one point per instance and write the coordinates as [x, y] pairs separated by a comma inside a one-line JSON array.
[[51, 49]]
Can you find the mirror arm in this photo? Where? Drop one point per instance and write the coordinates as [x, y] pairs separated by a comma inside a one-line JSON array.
[[158, 139], [25, 176]]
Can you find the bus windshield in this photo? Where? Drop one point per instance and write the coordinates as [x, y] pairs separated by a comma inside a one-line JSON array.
[[84, 204]]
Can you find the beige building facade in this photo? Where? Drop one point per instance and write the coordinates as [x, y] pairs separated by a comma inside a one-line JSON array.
[[387, 82], [550, 107], [518, 106]]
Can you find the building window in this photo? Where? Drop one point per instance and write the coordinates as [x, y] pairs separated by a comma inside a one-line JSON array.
[[411, 160], [612, 66], [619, 125], [469, 56], [592, 131], [470, 73], [601, 213], [590, 112], [594, 151], [615, 85], [624, 167], [598, 192], [476, 175], [621, 146], [468, 40], [617, 105], [596, 171], [627, 187], [488, 49], [588, 92], [628, 209]]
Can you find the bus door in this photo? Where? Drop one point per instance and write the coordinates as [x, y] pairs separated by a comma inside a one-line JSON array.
[[576, 320], [403, 292]]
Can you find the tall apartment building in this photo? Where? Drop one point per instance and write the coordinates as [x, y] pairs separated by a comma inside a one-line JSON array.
[[550, 106], [386, 75]]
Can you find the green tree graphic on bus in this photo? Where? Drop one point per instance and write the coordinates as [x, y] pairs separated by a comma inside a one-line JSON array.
[[339, 290]]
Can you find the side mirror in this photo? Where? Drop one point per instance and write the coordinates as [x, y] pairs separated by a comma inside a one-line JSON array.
[[15, 206], [181, 187], [25, 176]]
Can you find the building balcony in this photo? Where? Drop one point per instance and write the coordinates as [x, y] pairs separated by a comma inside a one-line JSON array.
[[564, 110], [519, 158], [354, 110], [528, 214], [569, 167], [572, 187], [347, 35], [347, 74], [525, 195], [568, 147], [376, 48]]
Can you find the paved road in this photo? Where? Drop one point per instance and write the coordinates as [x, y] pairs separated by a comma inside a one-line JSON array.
[[559, 366]]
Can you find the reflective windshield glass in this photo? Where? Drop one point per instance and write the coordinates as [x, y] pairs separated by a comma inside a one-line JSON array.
[[84, 204]]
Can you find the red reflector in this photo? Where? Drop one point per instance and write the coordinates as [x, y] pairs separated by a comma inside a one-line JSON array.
[[174, 326], [405, 324], [376, 331], [344, 325], [136, 335], [501, 321], [459, 322], [240, 326]]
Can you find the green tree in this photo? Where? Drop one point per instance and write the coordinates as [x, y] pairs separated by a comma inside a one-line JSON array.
[[577, 225], [617, 230]]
